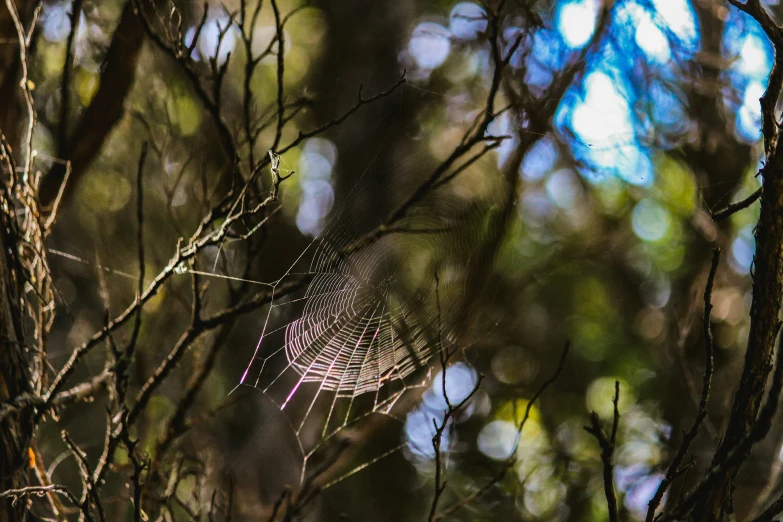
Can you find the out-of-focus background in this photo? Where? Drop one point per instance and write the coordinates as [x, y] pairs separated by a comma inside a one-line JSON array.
[[604, 239]]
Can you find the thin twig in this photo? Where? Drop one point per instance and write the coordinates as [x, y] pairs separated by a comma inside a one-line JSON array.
[[733, 208], [449, 414], [741, 451], [459, 504], [40, 491], [280, 76], [58, 510], [674, 470], [89, 490], [57, 200], [607, 445]]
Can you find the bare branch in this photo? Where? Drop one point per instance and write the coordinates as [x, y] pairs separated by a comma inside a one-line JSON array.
[[104, 111], [674, 469], [712, 499], [449, 414], [90, 491], [607, 445], [280, 36], [512, 457], [40, 491], [733, 208]]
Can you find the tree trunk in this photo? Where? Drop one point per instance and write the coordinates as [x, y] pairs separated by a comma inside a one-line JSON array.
[[16, 428]]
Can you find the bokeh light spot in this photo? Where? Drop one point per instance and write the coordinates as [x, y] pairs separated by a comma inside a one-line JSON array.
[[430, 45], [497, 439], [650, 220], [576, 22], [467, 21]]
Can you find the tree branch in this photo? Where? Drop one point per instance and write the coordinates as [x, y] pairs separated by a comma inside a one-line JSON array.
[[607, 445], [675, 469], [104, 111]]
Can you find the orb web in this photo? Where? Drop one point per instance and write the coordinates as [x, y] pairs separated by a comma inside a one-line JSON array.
[[358, 334], [351, 338], [363, 328]]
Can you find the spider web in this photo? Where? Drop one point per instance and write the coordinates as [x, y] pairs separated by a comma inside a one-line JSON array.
[[364, 331], [356, 334]]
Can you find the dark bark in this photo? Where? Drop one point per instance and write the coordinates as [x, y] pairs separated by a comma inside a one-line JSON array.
[[718, 160], [767, 289], [10, 96], [15, 429], [767, 272]]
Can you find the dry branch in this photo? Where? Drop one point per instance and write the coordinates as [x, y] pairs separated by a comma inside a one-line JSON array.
[[104, 111], [607, 445], [676, 468], [714, 500]]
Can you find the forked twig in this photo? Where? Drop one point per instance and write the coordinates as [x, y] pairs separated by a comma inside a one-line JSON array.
[[452, 410], [676, 469], [607, 445]]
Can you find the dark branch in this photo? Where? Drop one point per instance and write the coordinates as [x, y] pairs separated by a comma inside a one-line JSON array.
[[607, 445], [733, 208], [65, 82], [105, 110], [512, 458], [675, 469]]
